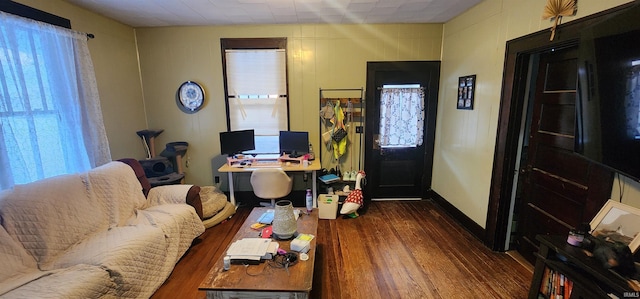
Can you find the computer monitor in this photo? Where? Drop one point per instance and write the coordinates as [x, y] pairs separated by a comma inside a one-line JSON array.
[[236, 142], [294, 143]]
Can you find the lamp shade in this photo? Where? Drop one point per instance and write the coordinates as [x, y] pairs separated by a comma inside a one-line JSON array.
[[284, 221]]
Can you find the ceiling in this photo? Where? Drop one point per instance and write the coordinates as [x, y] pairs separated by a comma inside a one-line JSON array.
[[155, 13]]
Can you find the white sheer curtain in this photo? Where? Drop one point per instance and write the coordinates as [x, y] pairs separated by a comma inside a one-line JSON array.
[[401, 117], [50, 116]]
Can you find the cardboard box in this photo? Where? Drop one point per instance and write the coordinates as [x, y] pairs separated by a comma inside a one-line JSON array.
[[328, 206]]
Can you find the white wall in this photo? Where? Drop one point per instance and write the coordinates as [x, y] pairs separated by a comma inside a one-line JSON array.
[[474, 43]]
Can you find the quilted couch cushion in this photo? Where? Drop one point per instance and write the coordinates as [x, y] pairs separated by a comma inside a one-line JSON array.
[[139, 171], [79, 281], [179, 223], [18, 267], [133, 255], [50, 215], [116, 187]]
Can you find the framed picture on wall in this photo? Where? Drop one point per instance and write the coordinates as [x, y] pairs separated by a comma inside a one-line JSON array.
[[618, 222], [466, 91]]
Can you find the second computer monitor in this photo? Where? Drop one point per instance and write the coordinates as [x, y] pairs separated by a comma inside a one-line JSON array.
[[236, 142], [294, 143]]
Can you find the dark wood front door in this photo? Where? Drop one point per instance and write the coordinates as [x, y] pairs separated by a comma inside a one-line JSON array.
[[399, 172], [560, 188]]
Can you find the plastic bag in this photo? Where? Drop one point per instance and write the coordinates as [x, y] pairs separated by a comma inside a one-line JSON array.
[[327, 112]]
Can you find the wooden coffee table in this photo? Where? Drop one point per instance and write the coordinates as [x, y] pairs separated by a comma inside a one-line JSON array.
[[264, 280]]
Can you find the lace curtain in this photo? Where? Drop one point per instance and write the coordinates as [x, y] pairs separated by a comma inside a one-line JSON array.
[[401, 117], [50, 116]]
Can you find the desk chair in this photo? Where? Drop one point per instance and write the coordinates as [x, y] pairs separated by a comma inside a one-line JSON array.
[[271, 183]]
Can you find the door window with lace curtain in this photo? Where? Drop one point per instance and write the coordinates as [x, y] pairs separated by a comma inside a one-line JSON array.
[[401, 116]]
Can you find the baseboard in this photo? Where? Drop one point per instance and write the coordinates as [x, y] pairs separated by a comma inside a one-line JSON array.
[[460, 217]]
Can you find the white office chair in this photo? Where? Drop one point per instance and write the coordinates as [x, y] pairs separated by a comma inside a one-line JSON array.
[[271, 183]]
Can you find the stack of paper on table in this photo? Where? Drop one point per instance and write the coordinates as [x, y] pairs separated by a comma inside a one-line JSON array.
[[252, 249]]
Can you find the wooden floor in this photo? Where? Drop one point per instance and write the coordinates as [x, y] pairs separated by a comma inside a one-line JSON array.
[[398, 249]]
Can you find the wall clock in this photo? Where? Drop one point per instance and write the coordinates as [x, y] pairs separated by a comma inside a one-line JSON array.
[[190, 97]]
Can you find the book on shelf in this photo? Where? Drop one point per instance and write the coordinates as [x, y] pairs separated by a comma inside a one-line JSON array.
[[555, 285], [329, 178]]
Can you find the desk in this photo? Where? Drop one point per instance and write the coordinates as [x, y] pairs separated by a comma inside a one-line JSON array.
[[294, 167]]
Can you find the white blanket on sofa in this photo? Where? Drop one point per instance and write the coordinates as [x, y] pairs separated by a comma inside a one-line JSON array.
[[73, 231], [116, 188]]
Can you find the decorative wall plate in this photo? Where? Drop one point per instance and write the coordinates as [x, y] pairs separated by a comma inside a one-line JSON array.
[[190, 96]]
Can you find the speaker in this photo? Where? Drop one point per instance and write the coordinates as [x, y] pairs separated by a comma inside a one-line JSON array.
[[156, 167]]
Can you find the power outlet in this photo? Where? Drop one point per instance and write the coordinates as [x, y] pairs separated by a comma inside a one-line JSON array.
[[216, 179], [359, 129]]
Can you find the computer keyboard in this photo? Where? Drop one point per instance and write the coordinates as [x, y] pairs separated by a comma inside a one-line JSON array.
[[267, 156], [266, 163]]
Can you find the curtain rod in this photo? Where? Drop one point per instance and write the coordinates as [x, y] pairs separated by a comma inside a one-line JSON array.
[[90, 36], [381, 88]]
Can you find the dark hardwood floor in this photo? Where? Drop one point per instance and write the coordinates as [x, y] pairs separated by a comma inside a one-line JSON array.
[[398, 249]]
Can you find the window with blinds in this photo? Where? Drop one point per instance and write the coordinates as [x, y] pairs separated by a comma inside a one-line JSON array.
[[256, 89]]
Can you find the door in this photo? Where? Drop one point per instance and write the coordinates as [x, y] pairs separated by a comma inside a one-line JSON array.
[[399, 171], [556, 183]]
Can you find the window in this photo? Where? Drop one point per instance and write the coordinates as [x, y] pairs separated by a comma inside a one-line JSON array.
[[50, 118], [255, 72], [401, 116]]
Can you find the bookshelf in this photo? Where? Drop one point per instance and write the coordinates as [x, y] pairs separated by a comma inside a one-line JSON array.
[[565, 271], [555, 284]]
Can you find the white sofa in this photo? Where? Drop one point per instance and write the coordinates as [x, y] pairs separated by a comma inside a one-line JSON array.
[[92, 235]]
